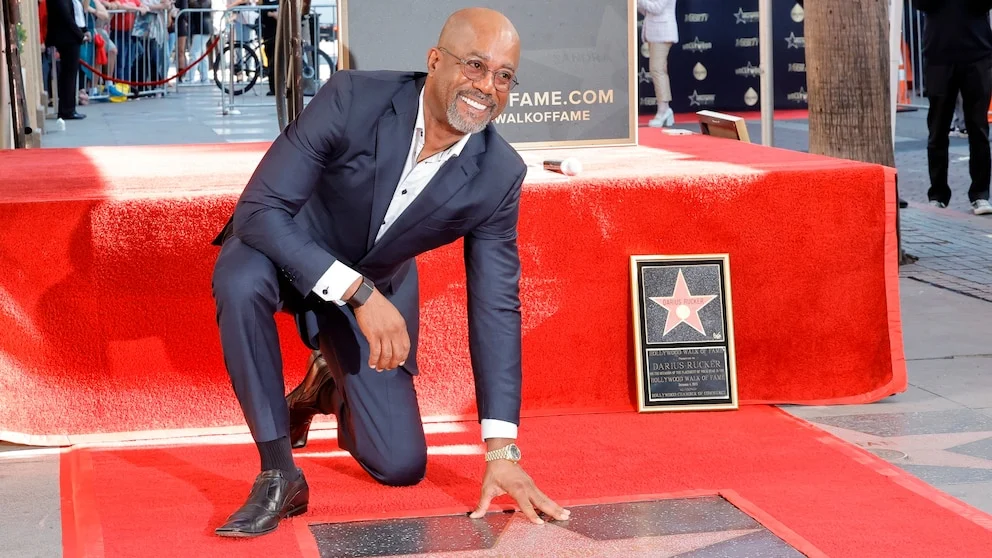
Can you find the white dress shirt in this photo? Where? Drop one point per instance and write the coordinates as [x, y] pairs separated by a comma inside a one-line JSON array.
[[77, 13], [414, 178]]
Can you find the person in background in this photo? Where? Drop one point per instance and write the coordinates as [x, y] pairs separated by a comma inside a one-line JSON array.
[[269, 41], [121, 26], [660, 30], [101, 28], [182, 34], [66, 33], [91, 52], [244, 19], [957, 58], [152, 35], [200, 30]]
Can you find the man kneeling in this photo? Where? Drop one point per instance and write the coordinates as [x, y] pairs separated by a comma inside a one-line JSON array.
[[380, 167]]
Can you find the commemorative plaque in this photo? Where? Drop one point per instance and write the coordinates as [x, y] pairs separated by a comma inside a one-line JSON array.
[[683, 333]]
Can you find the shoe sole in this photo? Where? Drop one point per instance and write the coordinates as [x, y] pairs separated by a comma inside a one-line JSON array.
[[292, 512]]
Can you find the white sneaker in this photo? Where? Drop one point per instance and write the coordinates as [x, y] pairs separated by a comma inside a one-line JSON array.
[[981, 207], [938, 204]]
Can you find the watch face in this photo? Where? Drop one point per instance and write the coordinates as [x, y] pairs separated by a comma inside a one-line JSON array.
[[513, 451]]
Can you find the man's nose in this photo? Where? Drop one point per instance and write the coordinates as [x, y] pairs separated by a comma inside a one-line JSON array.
[[486, 84]]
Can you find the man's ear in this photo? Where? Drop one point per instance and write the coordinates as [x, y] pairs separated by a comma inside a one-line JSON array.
[[433, 57]]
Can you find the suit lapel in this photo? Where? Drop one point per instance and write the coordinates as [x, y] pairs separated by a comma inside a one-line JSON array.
[[394, 133], [450, 178]]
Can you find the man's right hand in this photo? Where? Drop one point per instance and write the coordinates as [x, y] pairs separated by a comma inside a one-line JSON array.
[[385, 329]]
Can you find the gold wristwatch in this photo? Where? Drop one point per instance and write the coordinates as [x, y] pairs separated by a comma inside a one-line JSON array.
[[510, 452]]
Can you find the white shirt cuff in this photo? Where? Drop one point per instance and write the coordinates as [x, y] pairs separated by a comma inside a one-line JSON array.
[[335, 282], [492, 428]]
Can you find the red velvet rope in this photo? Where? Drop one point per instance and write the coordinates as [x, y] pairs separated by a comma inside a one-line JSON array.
[[180, 73]]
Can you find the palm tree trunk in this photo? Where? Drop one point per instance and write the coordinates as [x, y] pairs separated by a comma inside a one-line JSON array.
[[847, 79], [847, 73]]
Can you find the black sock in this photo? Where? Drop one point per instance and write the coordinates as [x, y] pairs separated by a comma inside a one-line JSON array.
[[278, 454]]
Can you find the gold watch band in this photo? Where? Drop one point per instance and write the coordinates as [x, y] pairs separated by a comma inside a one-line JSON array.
[[510, 452], [501, 453]]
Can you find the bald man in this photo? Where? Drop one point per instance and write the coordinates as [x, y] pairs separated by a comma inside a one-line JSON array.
[[379, 167]]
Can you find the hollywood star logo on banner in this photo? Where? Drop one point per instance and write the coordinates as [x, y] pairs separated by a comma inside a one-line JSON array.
[[715, 66], [790, 55]]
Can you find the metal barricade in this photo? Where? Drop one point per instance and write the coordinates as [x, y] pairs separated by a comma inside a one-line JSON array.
[[247, 48], [135, 49], [138, 51], [142, 48], [217, 50], [190, 54]]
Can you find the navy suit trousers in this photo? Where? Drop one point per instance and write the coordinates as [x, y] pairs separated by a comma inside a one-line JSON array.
[[378, 415]]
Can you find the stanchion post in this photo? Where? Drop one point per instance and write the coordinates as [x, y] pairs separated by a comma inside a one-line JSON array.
[[225, 108], [230, 51], [765, 45]]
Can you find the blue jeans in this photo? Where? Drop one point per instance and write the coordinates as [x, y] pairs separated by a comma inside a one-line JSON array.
[[125, 53]]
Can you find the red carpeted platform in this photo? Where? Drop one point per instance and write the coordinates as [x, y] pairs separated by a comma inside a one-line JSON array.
[[819, 494], [106, 319]]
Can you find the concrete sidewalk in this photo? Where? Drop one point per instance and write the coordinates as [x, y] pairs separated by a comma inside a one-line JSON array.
[[940, 429]]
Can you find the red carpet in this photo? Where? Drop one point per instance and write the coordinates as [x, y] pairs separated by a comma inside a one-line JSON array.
[[107, 324], [826, 494]]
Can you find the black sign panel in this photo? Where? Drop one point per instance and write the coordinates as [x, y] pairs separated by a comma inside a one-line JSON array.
[[715, 65]]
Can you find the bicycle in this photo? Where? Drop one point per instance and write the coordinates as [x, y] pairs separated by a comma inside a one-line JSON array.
[[248, 65]]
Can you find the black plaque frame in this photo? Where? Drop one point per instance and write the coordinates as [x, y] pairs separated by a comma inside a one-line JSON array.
[[719, 342]]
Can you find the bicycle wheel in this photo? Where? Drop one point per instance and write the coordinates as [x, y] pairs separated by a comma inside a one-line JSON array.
[[245, 70], [318, 70]]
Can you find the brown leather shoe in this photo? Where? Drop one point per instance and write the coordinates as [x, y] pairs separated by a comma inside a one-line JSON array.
[[305, 400]]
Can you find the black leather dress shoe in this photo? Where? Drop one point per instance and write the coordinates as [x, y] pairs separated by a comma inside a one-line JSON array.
[[312, 396], [73, 116], [272, 498]]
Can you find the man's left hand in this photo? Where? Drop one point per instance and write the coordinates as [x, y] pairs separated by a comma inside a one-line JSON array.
[[505, 477]]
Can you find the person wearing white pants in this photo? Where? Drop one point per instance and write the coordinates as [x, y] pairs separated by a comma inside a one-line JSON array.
[[660, 30]]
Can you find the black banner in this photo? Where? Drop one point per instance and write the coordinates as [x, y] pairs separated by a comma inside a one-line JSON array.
[[714, 66]]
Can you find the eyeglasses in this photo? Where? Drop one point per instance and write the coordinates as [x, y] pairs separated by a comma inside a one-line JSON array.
[[475, 70]]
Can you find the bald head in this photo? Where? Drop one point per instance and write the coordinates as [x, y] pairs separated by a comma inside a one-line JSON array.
[[472, 69], [467, 24]]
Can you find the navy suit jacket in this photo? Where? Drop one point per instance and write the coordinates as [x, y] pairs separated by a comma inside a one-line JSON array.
[[322, 190], [62, 28]]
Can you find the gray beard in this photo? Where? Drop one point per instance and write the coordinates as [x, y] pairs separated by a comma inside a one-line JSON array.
[[460, 124]]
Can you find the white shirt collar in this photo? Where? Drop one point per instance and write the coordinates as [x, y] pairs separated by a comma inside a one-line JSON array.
[[419, 130]]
